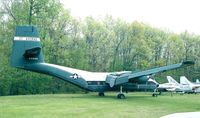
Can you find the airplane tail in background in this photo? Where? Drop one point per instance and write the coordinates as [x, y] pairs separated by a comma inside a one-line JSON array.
[[171, 80], [197, 81], [184, 81], [26, 47]]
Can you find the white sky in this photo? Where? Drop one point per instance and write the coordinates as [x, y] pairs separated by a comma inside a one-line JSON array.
[[173, 15]]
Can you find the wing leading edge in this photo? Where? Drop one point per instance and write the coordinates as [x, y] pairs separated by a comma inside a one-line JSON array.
[[113, 80]]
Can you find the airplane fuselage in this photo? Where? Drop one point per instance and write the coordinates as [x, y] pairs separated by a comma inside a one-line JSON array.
[[92, 81]]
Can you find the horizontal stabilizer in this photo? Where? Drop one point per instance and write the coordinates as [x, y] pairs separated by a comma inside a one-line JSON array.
[[188, 63], [32, 53]]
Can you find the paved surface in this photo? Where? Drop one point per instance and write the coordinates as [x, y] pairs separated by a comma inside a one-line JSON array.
[[183, 115]]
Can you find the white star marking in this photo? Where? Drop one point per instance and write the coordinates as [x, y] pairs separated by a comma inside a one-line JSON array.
[[75, 76]]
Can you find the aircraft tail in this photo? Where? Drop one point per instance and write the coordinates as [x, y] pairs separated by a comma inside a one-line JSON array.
[[26, 47], [197, 81], [184, 80], [171, 80]]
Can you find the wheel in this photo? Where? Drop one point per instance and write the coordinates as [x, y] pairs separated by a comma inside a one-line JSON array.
[[101, 94], [121, 96], [154, 95]]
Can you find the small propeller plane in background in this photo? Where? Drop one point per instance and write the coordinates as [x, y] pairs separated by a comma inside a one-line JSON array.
[[27, 54]]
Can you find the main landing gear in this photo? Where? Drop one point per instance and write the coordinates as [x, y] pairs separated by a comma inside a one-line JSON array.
[[101, 94], [121, 95], [155, 94]]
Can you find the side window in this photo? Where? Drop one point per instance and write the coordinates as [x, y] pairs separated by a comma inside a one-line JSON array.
[[89, 83], [96, 83]]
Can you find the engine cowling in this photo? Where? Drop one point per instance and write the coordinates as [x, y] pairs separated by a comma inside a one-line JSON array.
[[143, 79]]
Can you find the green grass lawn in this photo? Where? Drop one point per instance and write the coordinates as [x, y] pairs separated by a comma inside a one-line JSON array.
[[136, 105]]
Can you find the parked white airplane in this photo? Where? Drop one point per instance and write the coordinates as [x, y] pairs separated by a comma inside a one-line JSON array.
[[185, 86], [172, 85], [198, 82], [188, 86]]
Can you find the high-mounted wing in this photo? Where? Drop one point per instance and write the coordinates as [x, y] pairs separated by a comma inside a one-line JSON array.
[[114, 80]]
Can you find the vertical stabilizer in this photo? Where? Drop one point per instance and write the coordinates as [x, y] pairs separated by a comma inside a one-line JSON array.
[[26, 47], [184, 81], [171, 80], [197, 81]]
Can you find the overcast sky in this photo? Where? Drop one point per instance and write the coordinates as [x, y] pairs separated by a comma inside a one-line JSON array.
[[173, 15]]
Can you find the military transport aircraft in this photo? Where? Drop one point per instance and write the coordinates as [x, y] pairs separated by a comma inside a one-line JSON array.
[[27, 54]]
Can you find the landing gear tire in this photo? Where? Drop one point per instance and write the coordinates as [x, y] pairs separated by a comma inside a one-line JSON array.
[[154, 95], [121, 96], [101, 94]]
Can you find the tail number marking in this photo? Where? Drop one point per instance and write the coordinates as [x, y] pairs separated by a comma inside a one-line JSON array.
[[27, 39]]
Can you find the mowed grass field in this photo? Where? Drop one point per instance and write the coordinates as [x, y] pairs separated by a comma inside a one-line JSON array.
[[136, 105]]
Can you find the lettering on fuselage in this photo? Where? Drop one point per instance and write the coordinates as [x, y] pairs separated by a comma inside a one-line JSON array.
[[32, 58]]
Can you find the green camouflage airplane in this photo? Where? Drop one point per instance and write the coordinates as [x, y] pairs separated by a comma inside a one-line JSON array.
[[27, 54]]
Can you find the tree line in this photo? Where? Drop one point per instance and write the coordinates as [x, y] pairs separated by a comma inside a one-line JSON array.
[[106, 44]]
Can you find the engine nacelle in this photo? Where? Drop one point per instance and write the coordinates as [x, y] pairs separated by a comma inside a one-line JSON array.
[[143, 79]]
